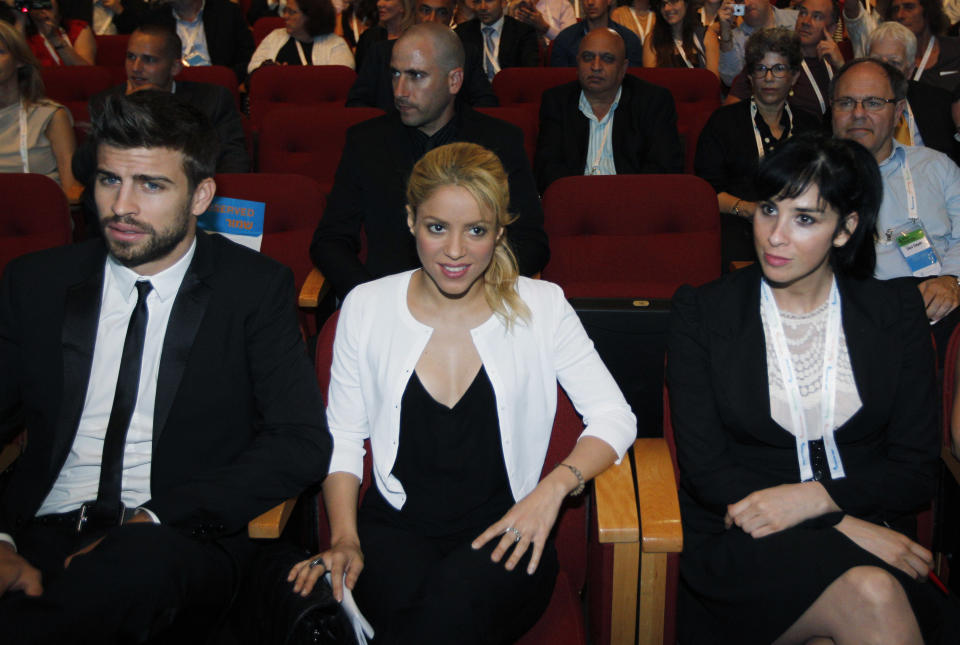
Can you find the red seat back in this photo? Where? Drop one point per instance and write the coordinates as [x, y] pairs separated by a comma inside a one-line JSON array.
[[631, 235], [263, 26], [275, 85], [515, 85], [73, 86], [112, 50], [214, 75], [524, 117], [35, 215]]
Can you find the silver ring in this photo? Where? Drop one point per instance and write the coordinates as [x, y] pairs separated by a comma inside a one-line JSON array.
[[318, 562], [516, 533]]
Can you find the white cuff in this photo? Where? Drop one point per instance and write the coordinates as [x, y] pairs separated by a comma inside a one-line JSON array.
[[142, 509], [6, 537]]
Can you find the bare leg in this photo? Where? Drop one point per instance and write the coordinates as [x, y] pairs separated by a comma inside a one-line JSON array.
[[866, 605], [817, 640]]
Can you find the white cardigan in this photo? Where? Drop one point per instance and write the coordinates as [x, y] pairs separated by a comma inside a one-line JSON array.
[[379, 342], [329, 49]]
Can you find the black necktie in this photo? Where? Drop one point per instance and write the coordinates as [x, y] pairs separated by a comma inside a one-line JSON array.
[[124, 400]]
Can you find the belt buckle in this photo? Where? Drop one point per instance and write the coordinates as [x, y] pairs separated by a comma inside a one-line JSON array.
[[87, 513], [81, 518]]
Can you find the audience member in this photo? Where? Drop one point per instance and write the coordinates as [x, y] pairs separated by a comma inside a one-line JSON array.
[[374, 84], [56, 41], [505, 42], [378, 155], [596, 15], [36, 134], [394, 16], [548, 17], [679, 39], [737, 137], [607, 122], [354, 18], [938, 56], [926, 119], [213, 32], [921, 189], [167, 395], [438, 12], [637, 17], [758, 14], [803, 401], [307, 39], [463, 11], [451, 372]]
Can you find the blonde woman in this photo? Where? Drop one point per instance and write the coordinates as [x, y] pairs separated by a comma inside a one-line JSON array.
[[36, 134], [451, 372], [394, 16]]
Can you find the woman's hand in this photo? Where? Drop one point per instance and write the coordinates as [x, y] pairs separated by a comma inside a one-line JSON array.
[[772, 510], [344, 556], [890, 546], [528, 522]]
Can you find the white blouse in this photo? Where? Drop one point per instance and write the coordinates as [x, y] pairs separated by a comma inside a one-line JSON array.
[[329, 49]]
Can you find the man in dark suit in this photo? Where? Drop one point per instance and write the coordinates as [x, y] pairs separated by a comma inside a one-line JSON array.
[[214, 32], [596, 16], [505, 42], [369, 187], [373, 87], [607, 122], [166, 395]]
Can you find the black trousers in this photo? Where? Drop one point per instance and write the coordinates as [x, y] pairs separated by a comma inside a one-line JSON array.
[[142, 582], [417, 589]]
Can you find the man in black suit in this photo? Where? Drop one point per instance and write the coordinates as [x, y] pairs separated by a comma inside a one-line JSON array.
[[607, 122], [373, 87], [214, 32], [166, 395], [370, 184], [505, 42]]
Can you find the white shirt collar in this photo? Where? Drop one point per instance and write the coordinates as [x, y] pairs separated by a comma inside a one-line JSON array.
[[166, 283], [497, 26], [587, 109], [196, 20]]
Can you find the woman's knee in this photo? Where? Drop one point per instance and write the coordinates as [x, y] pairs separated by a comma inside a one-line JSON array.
[[875, 587]]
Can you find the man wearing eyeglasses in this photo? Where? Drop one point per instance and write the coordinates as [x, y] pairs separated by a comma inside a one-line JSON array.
[[918, 229]]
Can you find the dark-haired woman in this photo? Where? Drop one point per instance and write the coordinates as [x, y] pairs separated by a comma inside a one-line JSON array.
[[56, 41], [738, 136], [678, 39], [803, 400], [354, 18], [307, 39]]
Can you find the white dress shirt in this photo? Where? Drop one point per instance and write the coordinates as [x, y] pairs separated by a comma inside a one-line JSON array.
[[196, 53], [494, 54], [600, 141]]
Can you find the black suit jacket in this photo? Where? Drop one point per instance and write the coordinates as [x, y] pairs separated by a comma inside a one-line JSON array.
[[229, 39], [374, 88], [644, 135], [369, 193], [931, 108], [519, 44], [728, 446], [238, 422]]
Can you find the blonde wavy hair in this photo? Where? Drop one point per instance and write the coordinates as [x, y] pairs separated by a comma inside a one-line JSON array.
[[480, 172], [28, 71]]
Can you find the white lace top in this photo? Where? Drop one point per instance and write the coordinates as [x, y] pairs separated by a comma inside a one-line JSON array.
[[806, 334]]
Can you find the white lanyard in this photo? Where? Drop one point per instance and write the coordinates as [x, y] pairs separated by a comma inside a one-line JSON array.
[[24, 151], [679, 47], [303, 58], [355, 27], [603, 143], [912, 211], [494, 56], [644, 30], [926, 57], [915, 138], [813, 83], [756, 131], [52, 49], [828, 395]]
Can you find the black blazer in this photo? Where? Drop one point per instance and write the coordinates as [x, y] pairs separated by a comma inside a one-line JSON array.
[[238, 424], [519, 44], [931, 108], [644, 135], [369, 193], [229, 38], [728, 446], [374, 87]]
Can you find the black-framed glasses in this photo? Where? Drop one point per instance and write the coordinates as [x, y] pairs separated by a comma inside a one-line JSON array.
[[779, 70], [869, 103]]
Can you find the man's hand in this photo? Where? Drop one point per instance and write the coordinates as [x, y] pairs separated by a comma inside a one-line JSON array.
[[18, 574], [893, 548], [772, 510], [530, 15], [827, 49], [941, 295]]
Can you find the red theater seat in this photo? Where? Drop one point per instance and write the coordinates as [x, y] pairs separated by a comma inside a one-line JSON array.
[[263, 26], [524, 117], [214, 75], [112, 50], [275, 86], [35, 215], [73, 86]]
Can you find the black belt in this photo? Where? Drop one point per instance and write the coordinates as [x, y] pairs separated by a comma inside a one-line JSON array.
[[87, 518]]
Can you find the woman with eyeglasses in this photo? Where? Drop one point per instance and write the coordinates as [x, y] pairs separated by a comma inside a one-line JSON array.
[[804, 407], [679, 39], [738, 136]]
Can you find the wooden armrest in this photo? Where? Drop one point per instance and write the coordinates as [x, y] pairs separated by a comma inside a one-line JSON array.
[[953, 466], [270, 525], [313, 290], [616, 504], [736, 265], [657, 499]]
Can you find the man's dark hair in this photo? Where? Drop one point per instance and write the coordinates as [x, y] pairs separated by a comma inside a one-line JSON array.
[[898, 82], [156, 119], [848, 178], [321, 16], [172, 45], [775, 40]]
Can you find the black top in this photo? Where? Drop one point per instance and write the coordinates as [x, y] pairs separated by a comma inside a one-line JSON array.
[[366, 42], [802, 96], [450, 461], [288, 53]]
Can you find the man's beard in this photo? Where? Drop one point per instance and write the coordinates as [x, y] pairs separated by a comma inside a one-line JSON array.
[[155, 247]]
